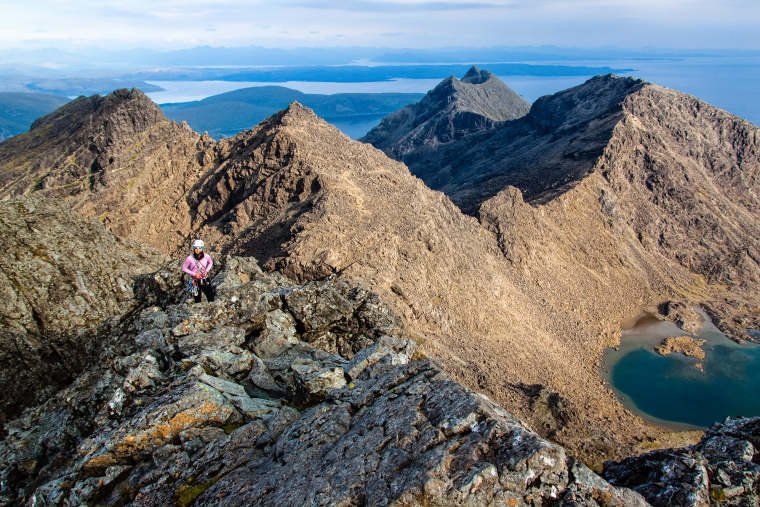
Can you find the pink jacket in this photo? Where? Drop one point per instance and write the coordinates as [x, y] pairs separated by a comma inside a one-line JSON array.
[[193, 266]]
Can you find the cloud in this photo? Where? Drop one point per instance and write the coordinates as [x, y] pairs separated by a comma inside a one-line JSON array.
[[384, 6], [396, 23], [110, 11]]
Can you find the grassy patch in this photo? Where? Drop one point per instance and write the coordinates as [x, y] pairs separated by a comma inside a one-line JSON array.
[[187, 493], [230, 427]]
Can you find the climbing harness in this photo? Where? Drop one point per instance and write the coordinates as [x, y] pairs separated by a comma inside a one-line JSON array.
[[192, 288]]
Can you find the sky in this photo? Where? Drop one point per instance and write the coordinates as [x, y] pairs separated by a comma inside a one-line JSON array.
[[174, 24]]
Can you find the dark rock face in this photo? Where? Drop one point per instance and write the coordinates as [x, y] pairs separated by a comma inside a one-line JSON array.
[[225, 404], [721, 470], [62, 276], [419, 134], [543, 153]]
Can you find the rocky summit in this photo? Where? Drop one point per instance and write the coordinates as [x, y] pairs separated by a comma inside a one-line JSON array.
[[517, 299], [420, 134]]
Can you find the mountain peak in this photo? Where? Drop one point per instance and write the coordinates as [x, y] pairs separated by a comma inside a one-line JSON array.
[[293, 115], [451, 111], [298, 109], [476, 76], [143, 112], [71, 148]]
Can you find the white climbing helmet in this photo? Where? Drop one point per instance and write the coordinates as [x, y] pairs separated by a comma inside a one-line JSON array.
[[198, 243]]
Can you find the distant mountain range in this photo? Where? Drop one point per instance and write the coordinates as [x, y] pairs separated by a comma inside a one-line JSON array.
[[354, 73], [256, 55], [69, 86], [221, 115]]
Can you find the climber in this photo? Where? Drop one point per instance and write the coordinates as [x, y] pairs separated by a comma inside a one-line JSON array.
[[198, 265]]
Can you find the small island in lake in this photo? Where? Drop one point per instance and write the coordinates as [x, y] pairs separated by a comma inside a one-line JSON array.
[[684, 344]]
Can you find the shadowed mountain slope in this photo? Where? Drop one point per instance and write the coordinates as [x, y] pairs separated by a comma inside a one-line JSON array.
[[510, 305], [543, 153], [453, 110]]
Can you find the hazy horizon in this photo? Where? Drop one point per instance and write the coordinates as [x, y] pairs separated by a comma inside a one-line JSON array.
[[170, 24]]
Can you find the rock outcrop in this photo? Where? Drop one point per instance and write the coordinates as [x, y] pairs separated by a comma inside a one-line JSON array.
[[686, 345], [62, 276], [682, 314], [721, 469], [419, 134]]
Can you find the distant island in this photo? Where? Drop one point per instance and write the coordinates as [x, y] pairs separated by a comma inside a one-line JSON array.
[[357, 73]]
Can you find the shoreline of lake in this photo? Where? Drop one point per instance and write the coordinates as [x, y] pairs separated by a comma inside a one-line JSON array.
[[670, 391]]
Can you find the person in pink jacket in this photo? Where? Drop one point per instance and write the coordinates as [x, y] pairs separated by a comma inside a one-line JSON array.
[[198, 265]]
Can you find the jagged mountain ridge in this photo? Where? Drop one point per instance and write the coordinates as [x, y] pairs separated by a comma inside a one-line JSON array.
[[286, 189], [670, 185], [453, 110], [511, 308], [677, 173]]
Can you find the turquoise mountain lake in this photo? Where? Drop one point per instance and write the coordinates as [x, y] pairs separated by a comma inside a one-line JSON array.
[[670, 391]]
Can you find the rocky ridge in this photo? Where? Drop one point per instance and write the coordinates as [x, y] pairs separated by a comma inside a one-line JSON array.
[[277, 394], [722, 469], [686, 345]]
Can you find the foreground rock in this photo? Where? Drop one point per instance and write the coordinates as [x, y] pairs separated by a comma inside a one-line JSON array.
[[62, 276], [278, 394], [721, 470]]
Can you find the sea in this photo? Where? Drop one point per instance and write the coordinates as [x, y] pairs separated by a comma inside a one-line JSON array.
[[731, 84]]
